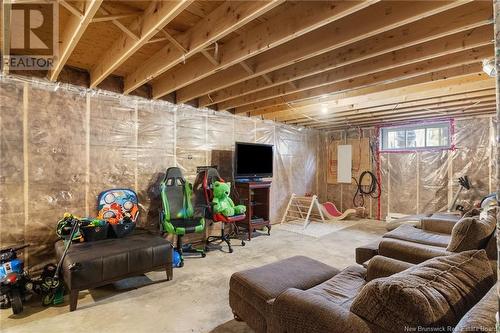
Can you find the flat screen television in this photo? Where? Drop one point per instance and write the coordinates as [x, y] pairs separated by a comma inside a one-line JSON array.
[[253, 160]]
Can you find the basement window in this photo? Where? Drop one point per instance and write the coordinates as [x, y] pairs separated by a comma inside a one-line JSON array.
[[416, 137]]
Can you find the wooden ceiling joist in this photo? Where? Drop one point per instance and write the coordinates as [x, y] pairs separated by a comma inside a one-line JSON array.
[[441, 48], [155, 17], [300, 19], [106, 18], [319, 85], [225, 19], [71, 34], [463, 106], [459, 21], [412, 117], [453, 81], [444, 101], [378, 18]]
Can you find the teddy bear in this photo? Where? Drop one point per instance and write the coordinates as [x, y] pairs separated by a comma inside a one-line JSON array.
[[222, 203]]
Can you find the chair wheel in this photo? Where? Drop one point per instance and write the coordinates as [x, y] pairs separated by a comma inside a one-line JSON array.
[[203, 255], [230, 250], [181, 264], [243, 243]]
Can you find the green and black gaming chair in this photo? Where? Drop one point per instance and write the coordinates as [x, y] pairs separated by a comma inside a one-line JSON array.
[[177, 216]]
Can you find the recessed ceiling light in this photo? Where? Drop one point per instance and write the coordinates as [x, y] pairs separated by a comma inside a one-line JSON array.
[[324, 108]]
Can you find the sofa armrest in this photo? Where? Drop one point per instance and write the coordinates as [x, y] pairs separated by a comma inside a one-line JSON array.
[[300, 311], [380, 266], [408, 251], [442, 226]]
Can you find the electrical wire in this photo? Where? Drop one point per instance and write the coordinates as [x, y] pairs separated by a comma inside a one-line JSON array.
[[373, 190]]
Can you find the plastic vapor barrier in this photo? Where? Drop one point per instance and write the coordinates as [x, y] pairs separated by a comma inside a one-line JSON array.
[[424, 181], [62, 145]]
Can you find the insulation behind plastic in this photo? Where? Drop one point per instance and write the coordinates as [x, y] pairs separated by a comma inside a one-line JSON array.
[[62, 145], [424, 181]]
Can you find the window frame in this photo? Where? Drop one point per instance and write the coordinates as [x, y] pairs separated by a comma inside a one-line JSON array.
[[384, 130]]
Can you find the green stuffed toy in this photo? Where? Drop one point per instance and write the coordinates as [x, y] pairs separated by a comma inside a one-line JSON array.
[[222, 203]]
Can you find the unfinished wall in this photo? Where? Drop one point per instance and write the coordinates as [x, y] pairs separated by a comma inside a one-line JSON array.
[[62, 145], [423, 181]]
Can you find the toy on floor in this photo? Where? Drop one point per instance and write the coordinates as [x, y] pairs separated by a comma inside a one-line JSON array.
[[222, 203], [12, 279], [303, 208], [331, 212], [120, 208], [307, 208]]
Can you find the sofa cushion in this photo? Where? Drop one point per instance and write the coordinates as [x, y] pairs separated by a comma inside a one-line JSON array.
[[437, 292], [481, 318], [472, 232], [343, 287], [414, 253], [412, 234]]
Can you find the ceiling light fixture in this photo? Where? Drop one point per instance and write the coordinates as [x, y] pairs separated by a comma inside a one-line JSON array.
[[489, 67], [324, 109]]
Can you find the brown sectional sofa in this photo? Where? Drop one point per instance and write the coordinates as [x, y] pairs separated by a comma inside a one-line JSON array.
[[417, 244], [291, 296]]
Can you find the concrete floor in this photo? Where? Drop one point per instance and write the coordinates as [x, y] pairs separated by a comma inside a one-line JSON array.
[[197, 299]]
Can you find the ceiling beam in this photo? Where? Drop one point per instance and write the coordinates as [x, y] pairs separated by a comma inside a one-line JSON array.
[[71, 34], [461, 105], [110, 17], [155, 17], [376, 19], [458, 80], [228, 17], [446, 47], [458, 21], [297, 19], [443, 114], [319, 86], [72, 9], [453, 100]]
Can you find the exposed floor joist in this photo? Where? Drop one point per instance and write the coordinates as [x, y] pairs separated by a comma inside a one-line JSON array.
[[155, 17], [225, 19], [322, 86], [406, 60], [300, 19], [468, 90], [304, 119], [444, 115], [448, 77], [470, 106], [459, 22], [298, 62], [376, 19], [72, 33]]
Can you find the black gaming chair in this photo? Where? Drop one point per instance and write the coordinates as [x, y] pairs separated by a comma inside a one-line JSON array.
[[177, 216]]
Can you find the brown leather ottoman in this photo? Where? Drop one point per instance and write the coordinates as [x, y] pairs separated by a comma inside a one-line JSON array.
[[252, 292], [93, 264]]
